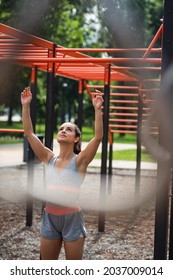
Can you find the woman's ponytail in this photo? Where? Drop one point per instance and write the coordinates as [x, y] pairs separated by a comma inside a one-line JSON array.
[[77, 146]]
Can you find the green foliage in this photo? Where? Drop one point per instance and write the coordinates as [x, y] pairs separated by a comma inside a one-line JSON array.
[[153, 14], [41, 97], [130, 23]]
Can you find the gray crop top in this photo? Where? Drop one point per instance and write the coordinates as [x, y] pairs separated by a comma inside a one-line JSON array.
[[67, 177]]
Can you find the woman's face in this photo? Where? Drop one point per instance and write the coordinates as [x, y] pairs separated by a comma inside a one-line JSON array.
[[67, 133]]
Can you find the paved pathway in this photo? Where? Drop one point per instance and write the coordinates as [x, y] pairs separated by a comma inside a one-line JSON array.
[[12, 155]]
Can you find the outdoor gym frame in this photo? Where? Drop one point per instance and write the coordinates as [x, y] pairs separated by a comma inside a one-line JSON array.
[[128, 104]]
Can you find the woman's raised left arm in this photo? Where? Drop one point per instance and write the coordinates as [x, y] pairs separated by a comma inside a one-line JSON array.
[[87, 155]]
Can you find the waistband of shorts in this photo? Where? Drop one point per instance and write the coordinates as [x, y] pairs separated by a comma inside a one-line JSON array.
[[60, 210]]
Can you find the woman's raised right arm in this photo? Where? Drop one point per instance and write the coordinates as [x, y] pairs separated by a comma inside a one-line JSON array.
[[43, 153]]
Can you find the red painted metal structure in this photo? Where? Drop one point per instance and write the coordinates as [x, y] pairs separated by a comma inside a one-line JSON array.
[[126, 107], [39, 54], [30, 51]]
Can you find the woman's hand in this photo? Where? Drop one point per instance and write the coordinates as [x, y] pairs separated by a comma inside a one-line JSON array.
[[97, 99], [26, 96]]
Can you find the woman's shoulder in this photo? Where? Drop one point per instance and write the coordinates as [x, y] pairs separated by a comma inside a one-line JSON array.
[[52, 159], [80, 164]]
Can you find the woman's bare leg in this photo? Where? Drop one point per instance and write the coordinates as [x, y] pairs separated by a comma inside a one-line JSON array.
[[74, 249], [50, 249]]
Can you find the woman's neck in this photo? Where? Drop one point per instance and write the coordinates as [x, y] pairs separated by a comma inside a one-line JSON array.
[[66, 152]]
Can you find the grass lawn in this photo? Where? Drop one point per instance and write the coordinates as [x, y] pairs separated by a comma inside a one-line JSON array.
[[128, 155], [15, 125], [10, 138]]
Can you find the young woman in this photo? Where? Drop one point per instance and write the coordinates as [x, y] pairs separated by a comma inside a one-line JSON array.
[[62, 221]]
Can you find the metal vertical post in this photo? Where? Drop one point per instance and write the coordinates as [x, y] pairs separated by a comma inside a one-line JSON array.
[[30, 175], [161, 217], [101, 225], [110, 162], [138, 151], [50, 101], [167, 60], [171, 226], [162, 200], [49, 111], [80, 105], [49, 123]]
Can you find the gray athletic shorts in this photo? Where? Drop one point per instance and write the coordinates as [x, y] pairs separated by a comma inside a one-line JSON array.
[[68, 227]]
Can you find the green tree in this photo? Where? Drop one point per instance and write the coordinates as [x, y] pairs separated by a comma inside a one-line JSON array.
[[130, 23]]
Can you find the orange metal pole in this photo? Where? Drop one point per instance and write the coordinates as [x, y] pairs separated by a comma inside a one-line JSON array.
[[123, 101], [87, 88], [25, 37], [116, 87], [123, 131], [11, 130], [122, 120], [153, 41], [124, 94], [70, 50], [82, 60], [123, 114]]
